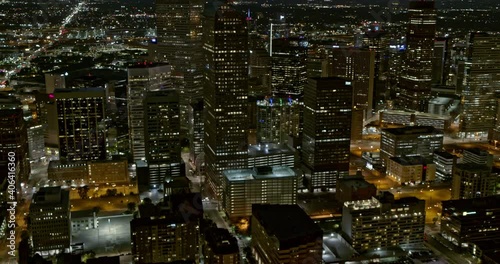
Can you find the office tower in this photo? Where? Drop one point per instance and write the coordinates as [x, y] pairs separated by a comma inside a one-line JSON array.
[[36, 141], [277, 119], [284, 234], [14, 142], [225, 91], [197, 129], [271, 155], [220, 247], [54, 81], [50, 224], [327, 131], [160, 236], [143, 78], [80, 123], [260, 185], [416, 78], [472, 180], [441, 62], [477, 156], [162, 136], [444, 165], [471, 221], [288, 70], [384, 222], [482, 81], [179, 31], [409, 141], [354, 189], [411, 169]]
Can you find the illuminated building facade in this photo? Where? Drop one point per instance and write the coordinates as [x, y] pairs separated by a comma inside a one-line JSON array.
[[225, 92], [472, 180], [327, 131], [260, 185], [36, 142], [411, 169], [162, 136], [197, 129], [284, 234], [179, 31], [220, 247], [50, 226], [288, 70], [444, 165], [416, 78], [80, 122], [482, 81], [468, 221], [410, 141], [384, 222], [271, 155], [143, 78], [14, 138], [277, 119]]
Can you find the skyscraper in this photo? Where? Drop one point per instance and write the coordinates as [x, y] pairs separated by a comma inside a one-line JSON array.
[[225, 91], [482, 80], [142, 78], [162, 136], [327, 131], [288, 71], [80, 123], [179, 32], [416, 79]]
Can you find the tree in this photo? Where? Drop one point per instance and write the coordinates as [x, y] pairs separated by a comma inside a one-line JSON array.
[[131, 207], [83, 192]]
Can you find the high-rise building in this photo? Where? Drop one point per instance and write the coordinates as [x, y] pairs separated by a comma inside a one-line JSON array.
[[50, 224], [197, 129], [14, 141], [469, 221], [482, 81], [163, 236], [162, 136], [225, 91], [179, 32], [477, 156], [410, 141], [261, 185], [36, 142], [143, 78], [327, 131], [284, 234], [384, 222], [220, 247], [444, 165], [271, 155], [416, 78], [288, 70], [54, 81], [472, 180], [79, 119], [441, 62]]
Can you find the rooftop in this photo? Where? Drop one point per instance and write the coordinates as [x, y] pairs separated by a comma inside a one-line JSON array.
[[410, 160], [51, 196], [146, 64], [288, 223], [472, 167], [221, 241], [269, 149], [259, 173], [444, 154], [355, 182], [490, 202], [57, 164]]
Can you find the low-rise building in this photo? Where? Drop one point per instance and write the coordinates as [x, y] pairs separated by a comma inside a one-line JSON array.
[[261, 185], [285, 234], [413, 169], [83, 220], [444, 165], [383, 222], [472, 180], [354, 188], [220, 247]]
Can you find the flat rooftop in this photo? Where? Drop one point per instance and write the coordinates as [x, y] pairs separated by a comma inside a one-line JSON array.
[[288, 223], [444, 154], [259, 173], [355, 182], [409, 160], [51, 196], [489, 202], [269, 149], [472, 167]]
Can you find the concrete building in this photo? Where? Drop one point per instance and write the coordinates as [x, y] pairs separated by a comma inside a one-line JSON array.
[[410, 118], [384, 222], [411, 169], [261, 185], [83, 220], [160, 236], [220, 247], [327, 131], [284, 234], [354, 188], [468, 221], [472, 180], [36, 142], [410, 141], [197, 129], [444, 165], [50, 226], [477, 156], [225, 43]]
